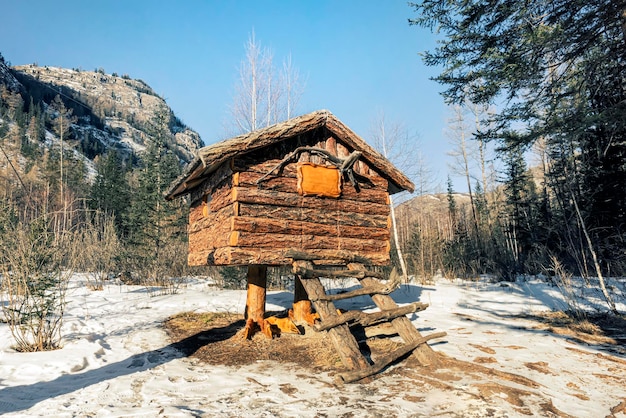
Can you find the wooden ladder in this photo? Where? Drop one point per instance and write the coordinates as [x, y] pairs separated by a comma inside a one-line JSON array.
[[339, 325]]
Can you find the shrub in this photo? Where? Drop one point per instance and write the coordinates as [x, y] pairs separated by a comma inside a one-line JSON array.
[[34, 283], [100, 248]]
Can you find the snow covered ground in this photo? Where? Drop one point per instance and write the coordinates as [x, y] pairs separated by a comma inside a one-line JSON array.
[[117, 361]]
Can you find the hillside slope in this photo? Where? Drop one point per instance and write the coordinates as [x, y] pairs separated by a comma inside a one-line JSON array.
[[112, 111]]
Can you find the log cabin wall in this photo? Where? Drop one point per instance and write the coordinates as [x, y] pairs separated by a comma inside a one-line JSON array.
[[234, 221]]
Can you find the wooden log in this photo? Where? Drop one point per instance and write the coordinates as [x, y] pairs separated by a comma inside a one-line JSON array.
[[320, 215], [199, 258], [307, 274], [256, 291], [386, 360], [247, 163], [366, 193], [370, 155], [262, 166], [224, 256], [222, 196], [208, 185], [196, 212], [274, 198], [382, 289], [206, 233], [331, 145], [340, 336], [379, 288], [342, 150], [306, 242], [365, 319], [382, 329], [312, 255], [210, 232], [424, 354], [210, 238], [262, 225], [212, 219]]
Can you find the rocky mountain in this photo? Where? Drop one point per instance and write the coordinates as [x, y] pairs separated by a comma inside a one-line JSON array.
[[7, 78], [112, 111]]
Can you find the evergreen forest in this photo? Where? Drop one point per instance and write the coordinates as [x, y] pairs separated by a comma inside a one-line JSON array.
[[547, 78]]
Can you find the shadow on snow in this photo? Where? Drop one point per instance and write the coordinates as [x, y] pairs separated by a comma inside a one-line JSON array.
[[19, 398]]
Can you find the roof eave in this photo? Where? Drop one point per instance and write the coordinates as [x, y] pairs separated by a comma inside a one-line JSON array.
[[211, 157]]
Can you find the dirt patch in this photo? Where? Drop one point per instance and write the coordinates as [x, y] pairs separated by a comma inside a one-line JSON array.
[[485, 360], [484, 349], [216, 339], [541, 367], [479, 382], [512, 396]]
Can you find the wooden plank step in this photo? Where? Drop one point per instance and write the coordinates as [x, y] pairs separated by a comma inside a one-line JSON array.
[[341, 337], [377, 288], [386, 360], [409, 334], [366, 319], [382, 289]]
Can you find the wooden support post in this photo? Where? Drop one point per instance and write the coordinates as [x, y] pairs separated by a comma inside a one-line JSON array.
[[302, 310], [255, 301]]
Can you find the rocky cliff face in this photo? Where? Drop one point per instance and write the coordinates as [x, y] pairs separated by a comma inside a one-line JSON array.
[[7, 78], [112, 111]]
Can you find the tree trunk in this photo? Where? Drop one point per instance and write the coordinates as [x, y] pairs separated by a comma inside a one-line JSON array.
[[255, 300], [394, 226], [607, 296]]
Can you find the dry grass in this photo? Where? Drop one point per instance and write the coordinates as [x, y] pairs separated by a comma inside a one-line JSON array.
[[224, 344], [601, 329]]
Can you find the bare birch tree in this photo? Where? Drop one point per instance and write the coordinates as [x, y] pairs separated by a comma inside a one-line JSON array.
[[397, 145], [458, 133], [263, 96], [252, 85], [293, 86]]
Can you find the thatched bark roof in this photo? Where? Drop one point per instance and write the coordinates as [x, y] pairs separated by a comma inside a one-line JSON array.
[[209, 158]]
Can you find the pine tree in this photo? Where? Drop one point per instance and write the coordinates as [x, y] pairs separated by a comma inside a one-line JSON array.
[[110, 191], [156, 224], [556, 69]]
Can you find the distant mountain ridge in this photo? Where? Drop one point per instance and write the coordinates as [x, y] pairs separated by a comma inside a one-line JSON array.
[[113, 112]]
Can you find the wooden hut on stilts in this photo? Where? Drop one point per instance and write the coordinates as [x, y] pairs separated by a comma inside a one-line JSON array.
[[311, 194]]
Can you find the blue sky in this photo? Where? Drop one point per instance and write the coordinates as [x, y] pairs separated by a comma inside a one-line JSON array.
[[359, 58]]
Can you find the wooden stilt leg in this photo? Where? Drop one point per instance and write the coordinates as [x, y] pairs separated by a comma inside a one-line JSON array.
[[255, 301], [302, 310]]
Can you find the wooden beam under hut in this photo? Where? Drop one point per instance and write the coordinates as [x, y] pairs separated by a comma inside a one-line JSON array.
[[344, 256], [373, 289], [337, 274]]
